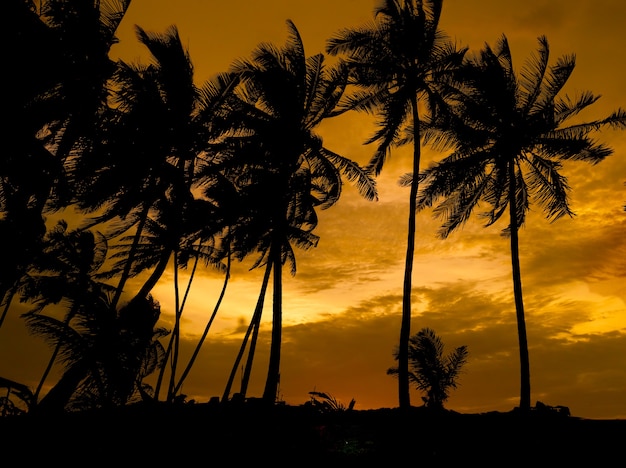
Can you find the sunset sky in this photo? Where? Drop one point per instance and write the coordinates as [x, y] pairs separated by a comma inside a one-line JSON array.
[[342, 308]]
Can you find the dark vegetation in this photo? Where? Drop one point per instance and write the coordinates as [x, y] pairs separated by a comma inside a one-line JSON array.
[[166, 171], [186, 434]]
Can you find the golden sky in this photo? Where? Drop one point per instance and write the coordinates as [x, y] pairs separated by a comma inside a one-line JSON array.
[[342, 308]]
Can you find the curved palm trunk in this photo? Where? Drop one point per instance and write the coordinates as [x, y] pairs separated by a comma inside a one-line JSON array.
[[256, 323], [258, 310], [404, 398], [7, 299], [206, 330], [175, 334], [155, 276], [175, 337], [59, 395], [131, 257], [273, 372], [517, 292]]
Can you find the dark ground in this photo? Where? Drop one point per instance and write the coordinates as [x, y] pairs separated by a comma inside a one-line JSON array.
[[297, 436]]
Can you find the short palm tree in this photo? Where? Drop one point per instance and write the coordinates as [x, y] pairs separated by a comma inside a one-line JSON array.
[[66, 272], [105, 353], [431, 371], [509, 137], [395, 63]]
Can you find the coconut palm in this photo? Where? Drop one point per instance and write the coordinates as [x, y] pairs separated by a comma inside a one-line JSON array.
[[149, 139], [431, 371], [106, 354], [61, 66], [98, 345], [509, 136], [66, 271], [396, 62], [286, 171]]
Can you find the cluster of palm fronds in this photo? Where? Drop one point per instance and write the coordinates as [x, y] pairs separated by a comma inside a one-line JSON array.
[[326, 403]]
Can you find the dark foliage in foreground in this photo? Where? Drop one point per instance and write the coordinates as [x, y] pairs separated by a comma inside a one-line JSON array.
[[302, 436]]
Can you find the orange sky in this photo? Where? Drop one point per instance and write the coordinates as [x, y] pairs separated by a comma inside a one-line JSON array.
[[342, 308]]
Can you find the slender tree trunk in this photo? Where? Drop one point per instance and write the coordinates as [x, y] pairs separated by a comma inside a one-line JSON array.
[[131, 257], [155, 276], [270, 393], [168, 351], [7, 296], [404, 398], [256, 324], [206, 330], [176, 334], [59, 395], [259, 309], [517, 292]]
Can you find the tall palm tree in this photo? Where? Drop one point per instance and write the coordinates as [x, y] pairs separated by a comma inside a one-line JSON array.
[[286, 170], [396, 62], [138, 177], [509, 137]]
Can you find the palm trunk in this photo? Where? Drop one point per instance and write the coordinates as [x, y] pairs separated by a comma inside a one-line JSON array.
[[259, 310], [168, 351], [176, 334], [273, 372], [404, 398], [206, 331], [59, 395], [7, 299], [256, 324], [131, 257], [517, 292], [155, 276]]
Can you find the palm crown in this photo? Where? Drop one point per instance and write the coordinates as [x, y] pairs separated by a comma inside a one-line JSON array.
[[509, 132]]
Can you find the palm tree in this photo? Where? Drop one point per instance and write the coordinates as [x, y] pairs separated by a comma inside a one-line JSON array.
[[106, 354], [396, 62], [509, 138], [66, 271], [431, 371], [143, 162], [286, 172], [60, 66]]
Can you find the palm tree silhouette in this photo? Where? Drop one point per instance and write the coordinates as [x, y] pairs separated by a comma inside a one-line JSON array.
[[106, 353], [66, 271], [509, 138], [395, 62], [431, 371], [287, 172], [58, 88]]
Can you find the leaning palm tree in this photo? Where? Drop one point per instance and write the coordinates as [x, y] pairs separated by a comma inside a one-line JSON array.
[[57, 90], [285, 170], [509, 137], [395, 63], [66, 271], [103, 350], [106, 354]]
